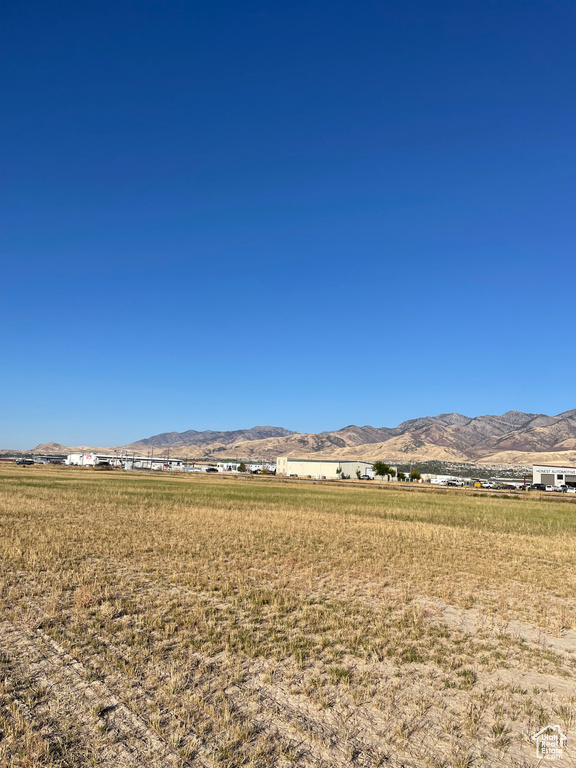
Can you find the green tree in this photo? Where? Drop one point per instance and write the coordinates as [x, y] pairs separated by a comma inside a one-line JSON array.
[[414, 475], [380, 469], [391, 472], [401, 476], [242, 467], [358, 473]]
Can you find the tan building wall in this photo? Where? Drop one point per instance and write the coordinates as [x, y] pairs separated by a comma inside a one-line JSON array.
[[322, 468]]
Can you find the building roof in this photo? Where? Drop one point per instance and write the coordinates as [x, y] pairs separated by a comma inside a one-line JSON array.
[[327, 461], [554, 466]]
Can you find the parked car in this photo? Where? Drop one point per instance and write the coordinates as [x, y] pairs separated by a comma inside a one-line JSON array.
[[537, 487], [488, 484], [571, 489], [211, 469], [549, 487], [366, 477], [25, 462]]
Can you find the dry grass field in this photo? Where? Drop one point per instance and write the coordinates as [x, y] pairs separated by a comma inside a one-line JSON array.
[[227, 621]]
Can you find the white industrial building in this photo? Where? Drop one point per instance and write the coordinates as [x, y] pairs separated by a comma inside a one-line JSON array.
[[127, 462], [232, 466], [549, 474], [323, 468], [89, 459], [267, 466]]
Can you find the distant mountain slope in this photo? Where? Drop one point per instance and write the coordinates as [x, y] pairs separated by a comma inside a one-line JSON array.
[[209, 437], [57, 449], [446, 437], [50, 448]]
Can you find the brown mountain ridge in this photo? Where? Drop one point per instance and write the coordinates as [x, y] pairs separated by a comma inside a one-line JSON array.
[[448, 436], [513, 437]]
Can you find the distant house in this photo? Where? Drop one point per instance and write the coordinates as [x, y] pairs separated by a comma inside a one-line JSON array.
[[227, 466], [233, 466]]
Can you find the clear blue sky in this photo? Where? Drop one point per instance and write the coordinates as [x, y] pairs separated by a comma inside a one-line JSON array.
[[307, 214]]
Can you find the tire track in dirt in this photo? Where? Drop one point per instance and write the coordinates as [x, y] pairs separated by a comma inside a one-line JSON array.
[[126, 739], [303, 730], [331, 737], [306, 730], [318, 736], [327, 738]]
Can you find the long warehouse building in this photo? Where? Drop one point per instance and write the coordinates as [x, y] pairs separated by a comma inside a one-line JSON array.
[[330, 469]]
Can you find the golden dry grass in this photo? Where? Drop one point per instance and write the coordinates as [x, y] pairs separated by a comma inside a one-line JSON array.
[[155, 620]]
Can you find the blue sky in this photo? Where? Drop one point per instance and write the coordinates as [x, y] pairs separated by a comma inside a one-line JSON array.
[[217, 215]]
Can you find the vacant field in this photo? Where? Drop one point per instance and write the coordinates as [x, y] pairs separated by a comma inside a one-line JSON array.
[[213, 621]]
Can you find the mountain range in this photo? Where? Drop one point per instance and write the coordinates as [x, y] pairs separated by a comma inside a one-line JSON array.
[[511, 438]]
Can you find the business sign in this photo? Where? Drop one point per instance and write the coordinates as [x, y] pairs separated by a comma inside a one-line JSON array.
[[555, 470]]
